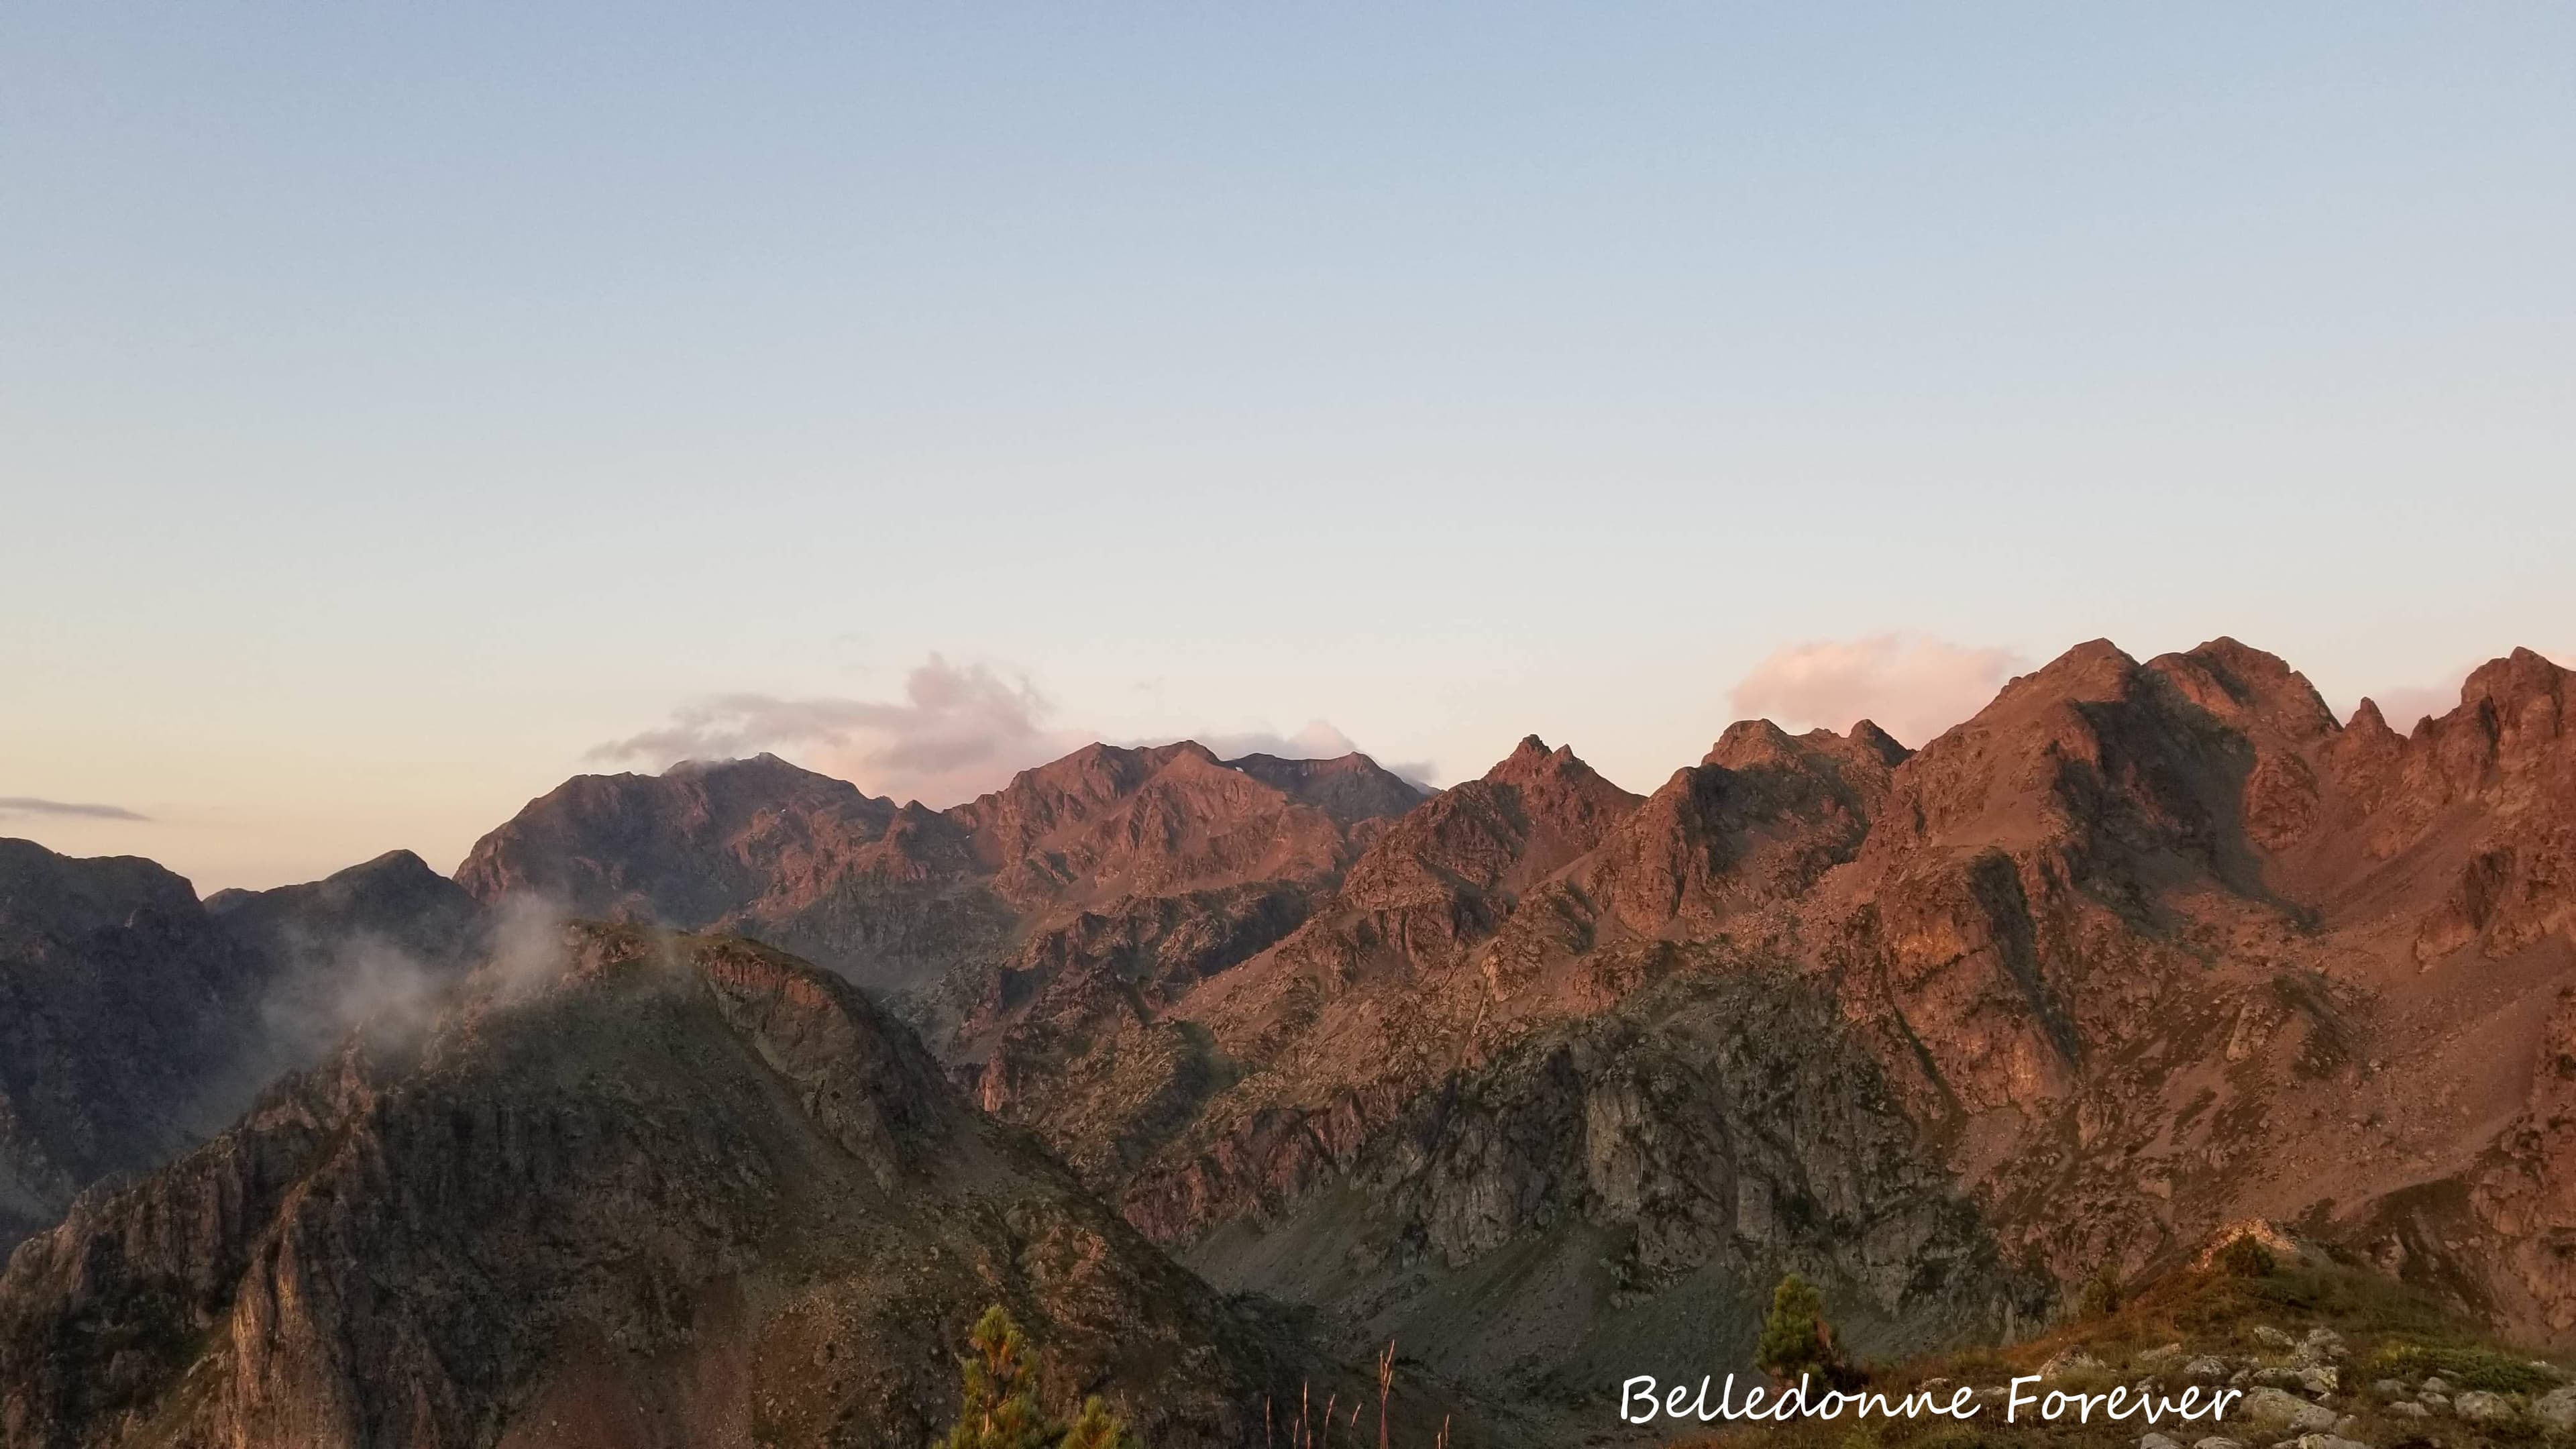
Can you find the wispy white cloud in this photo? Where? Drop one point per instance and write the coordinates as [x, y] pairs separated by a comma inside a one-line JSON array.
[[1912, 685], [30, 805]]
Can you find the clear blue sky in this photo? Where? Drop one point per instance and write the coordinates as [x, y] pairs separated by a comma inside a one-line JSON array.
[[397, 402]]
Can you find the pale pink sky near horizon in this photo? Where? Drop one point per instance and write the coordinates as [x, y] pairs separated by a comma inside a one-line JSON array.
[[402, 409]]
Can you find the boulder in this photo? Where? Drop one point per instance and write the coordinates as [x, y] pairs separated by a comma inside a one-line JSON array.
[[2208, 1368], [2320, 1379], [2480, 1407], [2157, 1441], [2268, 1405], [2271, 1337], [2069, 1361], [2406, 1410], [2216, 1441], [2557, 1409], [2277, 1378]]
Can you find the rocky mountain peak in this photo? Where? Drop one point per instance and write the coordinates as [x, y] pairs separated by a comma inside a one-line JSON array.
[[1350, 788], [2512, 723], [2527, 696], [43, 894], [1750, 743], [395, 896], [1879, 742], [2249, 689], [1070, 788], [2094, 669], [1533, 767], [1758, 744], [1761, 818], [1446, 873]]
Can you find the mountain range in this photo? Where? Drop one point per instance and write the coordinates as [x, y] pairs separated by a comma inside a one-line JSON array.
[[728, 1095]]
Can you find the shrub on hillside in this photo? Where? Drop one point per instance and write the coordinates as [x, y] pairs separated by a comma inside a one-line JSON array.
[[2245, 1258]]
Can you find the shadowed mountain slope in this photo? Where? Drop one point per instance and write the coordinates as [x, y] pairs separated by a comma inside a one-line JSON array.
[[630, 1189], [135, 1021], [120, 1004]]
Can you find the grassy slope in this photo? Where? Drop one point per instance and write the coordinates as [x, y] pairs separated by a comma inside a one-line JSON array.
[[2390, 1331]]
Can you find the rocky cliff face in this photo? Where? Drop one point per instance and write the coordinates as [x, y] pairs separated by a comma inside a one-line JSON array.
[[2144, 948], [1527, 1088], [1757, 823], [630, 1189], [1600, 1191], [2160, 945]]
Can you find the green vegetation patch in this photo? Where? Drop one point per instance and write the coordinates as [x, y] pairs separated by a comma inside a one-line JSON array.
[[2466, 1366]]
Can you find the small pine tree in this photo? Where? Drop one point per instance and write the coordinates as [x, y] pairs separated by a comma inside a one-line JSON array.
[[1000, 1408], [1097, 1428], [1796, 1338], [2101, 1296]]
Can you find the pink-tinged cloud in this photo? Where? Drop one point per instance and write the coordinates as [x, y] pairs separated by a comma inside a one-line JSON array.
[[958, 731], [1319, 740], [1913, 686]]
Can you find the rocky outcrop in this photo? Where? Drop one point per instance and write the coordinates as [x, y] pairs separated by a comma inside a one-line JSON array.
[[649, 1191], [1607, 1190], [1756, 823], [2524, 1194]]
